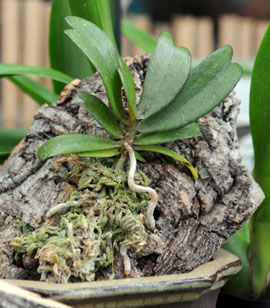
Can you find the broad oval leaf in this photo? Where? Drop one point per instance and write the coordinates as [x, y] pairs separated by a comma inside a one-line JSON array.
[[188, 131], [74, 143], [100, 153], [141, 38], [102, 114], [100, 50], [18, 69], [65, 56], [167, 72], [208, 84], [34, 89], [168, 152], [128, 84]]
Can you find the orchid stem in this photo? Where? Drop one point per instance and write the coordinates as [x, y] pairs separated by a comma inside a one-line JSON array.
[[139, 188]]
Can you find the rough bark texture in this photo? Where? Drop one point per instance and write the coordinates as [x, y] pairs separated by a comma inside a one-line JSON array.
[[194, 218]]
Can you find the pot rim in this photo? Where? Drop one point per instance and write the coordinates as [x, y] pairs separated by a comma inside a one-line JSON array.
[[209, 276]]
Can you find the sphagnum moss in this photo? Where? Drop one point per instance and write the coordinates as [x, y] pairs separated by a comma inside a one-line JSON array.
[[104, 215]]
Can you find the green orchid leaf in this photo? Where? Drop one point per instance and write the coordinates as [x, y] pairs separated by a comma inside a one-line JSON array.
[[238, 244], [100, 50], [128, 84], [96, 11], [139, 157], [7, 70], [74, 143], [100, 153], [167, 72], [208, 84], [259, 252], [260, 108], [34, 89], [141, 38], [259, 127], [9, 138], [188, 131], [65, 56], [102, 114], [168, 152]]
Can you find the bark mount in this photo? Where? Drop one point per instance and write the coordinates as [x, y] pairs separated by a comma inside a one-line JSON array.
[[193, 218]]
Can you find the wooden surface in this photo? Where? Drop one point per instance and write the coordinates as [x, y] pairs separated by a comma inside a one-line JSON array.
[[10, 39]]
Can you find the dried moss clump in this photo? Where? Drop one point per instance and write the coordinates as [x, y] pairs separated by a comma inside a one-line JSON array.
[[74, 244]]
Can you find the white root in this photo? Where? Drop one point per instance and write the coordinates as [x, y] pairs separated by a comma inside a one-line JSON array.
[[139, 188], [123, 253], [59, 207]]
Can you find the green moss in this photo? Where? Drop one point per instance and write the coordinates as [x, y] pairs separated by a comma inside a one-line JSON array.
[[87, 236]]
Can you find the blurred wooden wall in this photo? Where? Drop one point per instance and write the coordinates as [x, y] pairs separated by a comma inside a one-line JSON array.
[[197, 34], [23, 40], [24, 36]]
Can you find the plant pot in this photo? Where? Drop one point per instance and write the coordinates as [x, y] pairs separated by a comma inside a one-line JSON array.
[[227, 300], [198, 288]]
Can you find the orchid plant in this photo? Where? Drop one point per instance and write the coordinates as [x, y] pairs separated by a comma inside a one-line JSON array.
[[173, 98]]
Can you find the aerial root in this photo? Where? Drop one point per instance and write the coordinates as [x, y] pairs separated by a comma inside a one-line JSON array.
[[138, 188], [59, 207]]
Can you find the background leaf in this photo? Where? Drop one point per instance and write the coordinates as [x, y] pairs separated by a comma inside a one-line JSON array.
[[168, 70], [141, 38], [238, 244], [188, 131], [208, 84], [3, 156], [102, 114], [74, 143], [168, 152], [97, 11], [101, 52], [259, 126], [260, 108], [9, 138], [260, 249], [17, 69], [65, 56], [34, 89]]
